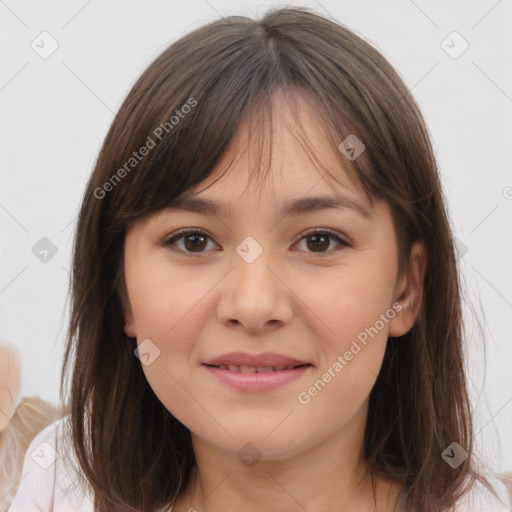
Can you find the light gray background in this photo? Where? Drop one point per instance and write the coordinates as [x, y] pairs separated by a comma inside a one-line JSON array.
[[56, 111]]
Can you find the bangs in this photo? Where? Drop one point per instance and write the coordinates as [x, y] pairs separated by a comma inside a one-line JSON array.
[[255, 135], [173, 131]]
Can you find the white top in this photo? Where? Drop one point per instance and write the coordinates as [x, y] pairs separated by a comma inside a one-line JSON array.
[[51, 481]]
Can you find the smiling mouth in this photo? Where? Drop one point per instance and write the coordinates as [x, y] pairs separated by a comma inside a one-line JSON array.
[[257, 369]]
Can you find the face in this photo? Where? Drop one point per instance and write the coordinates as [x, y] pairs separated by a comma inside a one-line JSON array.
[[316, 286]]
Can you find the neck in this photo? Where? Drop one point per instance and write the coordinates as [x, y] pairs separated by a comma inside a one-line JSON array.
[[331, 476]]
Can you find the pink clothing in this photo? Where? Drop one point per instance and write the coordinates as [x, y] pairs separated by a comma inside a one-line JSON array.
[[51, 481]]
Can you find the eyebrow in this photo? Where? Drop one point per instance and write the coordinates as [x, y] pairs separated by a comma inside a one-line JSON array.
[[292, 207]]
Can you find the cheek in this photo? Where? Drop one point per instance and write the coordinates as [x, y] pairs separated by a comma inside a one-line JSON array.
[[351, 354], [350, 304], [165, 302], [169, 310]]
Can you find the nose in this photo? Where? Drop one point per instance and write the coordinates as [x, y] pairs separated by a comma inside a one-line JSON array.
[[255, 295]]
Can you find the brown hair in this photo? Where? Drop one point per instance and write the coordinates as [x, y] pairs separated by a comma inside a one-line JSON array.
[[135, 454]]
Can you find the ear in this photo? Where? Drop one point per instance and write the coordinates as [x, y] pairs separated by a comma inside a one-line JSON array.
[[409, 291], [129, 325]]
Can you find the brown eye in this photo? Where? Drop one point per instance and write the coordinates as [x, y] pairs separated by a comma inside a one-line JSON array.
[[193, 241], [319, 241]]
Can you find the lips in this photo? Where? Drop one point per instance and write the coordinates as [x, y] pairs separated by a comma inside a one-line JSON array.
[[256, 379], [256, 373], [257, 369], [245, 362]]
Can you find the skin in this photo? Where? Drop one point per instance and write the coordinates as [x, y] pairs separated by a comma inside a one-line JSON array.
[[10, 375], [293, 300]]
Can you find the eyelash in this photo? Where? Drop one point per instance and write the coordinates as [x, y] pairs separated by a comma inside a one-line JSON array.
[[169, 241]]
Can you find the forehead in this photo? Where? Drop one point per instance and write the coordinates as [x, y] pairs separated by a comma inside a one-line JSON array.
[[292, 157], [207, 205]]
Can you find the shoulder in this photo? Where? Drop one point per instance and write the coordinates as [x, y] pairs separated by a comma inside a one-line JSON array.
[[51, 479], [482, 499]]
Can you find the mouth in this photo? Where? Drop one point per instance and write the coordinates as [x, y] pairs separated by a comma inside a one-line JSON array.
[[257, 369], [256, 379]]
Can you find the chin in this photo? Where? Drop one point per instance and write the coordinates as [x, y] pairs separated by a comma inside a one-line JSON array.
[[252, 446]]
